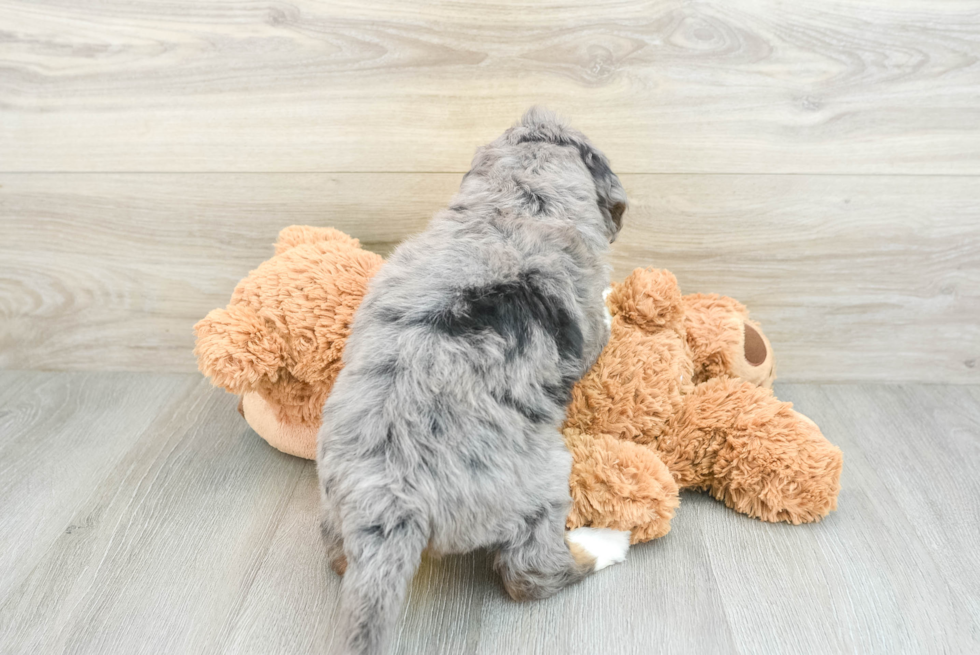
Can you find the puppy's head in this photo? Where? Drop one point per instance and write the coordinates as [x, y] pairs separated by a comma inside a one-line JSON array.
[[542, 125]]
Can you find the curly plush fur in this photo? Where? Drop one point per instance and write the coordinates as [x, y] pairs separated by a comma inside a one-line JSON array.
[[685, 384], [679, 396], [442, 428], [285, 340]]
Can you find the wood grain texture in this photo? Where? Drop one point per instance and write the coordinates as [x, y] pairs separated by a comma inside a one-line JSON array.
[[199, 538], [166, 547], [59, 438], [868, 277], [880, 573], [310, 85], [819, 161], [667, 600]]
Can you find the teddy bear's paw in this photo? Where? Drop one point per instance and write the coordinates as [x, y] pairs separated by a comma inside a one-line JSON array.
[[607, 546]]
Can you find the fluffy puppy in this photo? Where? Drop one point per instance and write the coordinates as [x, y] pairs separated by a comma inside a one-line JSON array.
[[441, 432]]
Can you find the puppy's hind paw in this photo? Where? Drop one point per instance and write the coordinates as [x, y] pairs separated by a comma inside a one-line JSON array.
[[607, 546]]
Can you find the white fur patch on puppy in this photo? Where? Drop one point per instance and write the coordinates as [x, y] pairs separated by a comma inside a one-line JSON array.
[[605, 307], [607, 546]]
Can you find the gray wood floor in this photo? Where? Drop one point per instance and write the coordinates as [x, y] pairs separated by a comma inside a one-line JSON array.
[[139, 514]]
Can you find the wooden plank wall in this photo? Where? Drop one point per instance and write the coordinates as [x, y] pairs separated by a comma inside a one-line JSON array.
[[819, 161]]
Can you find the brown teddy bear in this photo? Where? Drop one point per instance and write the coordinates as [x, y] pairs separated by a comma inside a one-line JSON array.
[[279, 341], [679, 398]]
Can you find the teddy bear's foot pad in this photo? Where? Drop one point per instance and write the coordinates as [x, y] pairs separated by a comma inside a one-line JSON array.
[[607, 546]]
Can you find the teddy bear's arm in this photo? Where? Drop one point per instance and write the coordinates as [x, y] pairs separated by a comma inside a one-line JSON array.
[[620, 485]]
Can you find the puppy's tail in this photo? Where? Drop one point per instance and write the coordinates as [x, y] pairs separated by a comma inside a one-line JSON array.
[[381, 560]]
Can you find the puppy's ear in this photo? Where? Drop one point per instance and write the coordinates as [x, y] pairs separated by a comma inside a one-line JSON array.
[[611, 196]]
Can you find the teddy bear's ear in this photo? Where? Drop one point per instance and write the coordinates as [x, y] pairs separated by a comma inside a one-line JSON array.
[[297, 235], [236, 348], [649, 298]]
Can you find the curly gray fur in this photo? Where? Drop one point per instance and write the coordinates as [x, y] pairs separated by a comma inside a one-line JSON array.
[[442, 430]]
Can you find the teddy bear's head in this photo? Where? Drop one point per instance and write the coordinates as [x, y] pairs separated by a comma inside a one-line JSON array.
[[662, 344], [721, 337], [279, 341], [724, 341]]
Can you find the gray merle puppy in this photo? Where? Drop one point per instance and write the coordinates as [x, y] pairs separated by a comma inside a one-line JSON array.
[[442, 430]]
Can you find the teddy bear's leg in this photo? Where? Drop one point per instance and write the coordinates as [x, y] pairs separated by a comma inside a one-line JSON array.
[[620, 485], [753, 452]]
